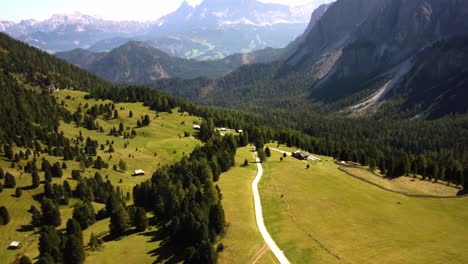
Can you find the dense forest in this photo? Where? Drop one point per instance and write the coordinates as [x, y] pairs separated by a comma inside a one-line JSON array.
[[396, 146]]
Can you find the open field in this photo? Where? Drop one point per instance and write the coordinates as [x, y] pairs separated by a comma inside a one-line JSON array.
[[404, 184], [161, 143], [323, 215], [243, 242]]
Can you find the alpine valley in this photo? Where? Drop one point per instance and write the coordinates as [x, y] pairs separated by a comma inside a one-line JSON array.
[[237, 131]]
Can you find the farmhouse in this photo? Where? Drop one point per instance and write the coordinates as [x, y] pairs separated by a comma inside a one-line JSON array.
[[196, 127], [15, 245], [139, 173], [300, 155]]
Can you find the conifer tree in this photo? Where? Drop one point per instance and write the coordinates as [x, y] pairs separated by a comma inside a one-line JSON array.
[[10, 181], [50, 213], [35, 179], [139, 220], [4, 216]]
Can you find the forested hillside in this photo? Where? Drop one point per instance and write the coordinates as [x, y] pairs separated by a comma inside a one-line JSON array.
[[183, 197]]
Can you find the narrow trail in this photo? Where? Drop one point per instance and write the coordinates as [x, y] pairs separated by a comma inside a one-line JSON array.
[[259, 216], [264, 249]]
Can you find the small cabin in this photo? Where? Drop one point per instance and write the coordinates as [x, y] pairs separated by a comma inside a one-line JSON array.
[[240, 131], [196, 127], [139, 173], [223, 129], [301, 155], [15, 245]]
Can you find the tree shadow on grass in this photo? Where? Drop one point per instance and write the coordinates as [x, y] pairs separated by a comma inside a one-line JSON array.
[[28, 188], [166, 252], [38, 197], [26, 228], [110, 237]]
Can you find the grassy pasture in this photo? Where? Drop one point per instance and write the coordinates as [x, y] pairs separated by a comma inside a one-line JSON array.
[[405, 184], [160, 143], [323, 215], [242, 241]]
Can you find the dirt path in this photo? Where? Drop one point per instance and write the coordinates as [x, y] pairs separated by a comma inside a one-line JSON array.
[[259, 216], [260, 254]]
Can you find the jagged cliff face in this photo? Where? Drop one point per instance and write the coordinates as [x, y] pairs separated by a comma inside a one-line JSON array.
[[364, 42], [334, 29], [437, 84], [400, 29]]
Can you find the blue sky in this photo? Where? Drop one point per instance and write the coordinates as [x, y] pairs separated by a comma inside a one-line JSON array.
[[141, 10]]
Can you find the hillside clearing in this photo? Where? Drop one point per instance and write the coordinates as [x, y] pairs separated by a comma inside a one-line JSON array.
[[161, 143]]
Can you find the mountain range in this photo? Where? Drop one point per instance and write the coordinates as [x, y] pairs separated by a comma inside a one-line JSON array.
[[213, 29], [139, 62], [360, 57]]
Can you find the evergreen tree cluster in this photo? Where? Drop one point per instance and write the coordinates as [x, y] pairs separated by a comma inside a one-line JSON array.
[[61, 247], [185, 199]]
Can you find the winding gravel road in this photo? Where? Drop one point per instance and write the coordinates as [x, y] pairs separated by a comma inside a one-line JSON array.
[[259, 216]]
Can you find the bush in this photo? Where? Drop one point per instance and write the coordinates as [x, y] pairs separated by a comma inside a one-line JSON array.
[[220, 247]]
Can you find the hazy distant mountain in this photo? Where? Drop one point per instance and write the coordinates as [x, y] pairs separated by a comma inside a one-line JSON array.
[[138, 62], [65, 32], [232, 26], [213, 29]]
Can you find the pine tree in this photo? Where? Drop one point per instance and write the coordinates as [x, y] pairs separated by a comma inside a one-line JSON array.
[[18, 192], [84, 215], [10, 181], [217, 221], [4, 216], [267, 152], [74, 251], [122, 165], [57, 170], [244, 139], [50, 213], [36, 217], [50, 244], [35, 179], [139, 219], [74, 229], [119, 218], [119, 221], [24, 260]]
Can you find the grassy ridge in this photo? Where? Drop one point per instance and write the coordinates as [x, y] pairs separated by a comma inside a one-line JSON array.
[[317, 213]]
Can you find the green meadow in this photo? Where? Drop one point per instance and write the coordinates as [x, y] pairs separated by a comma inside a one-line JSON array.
[[161, 143], [242, 242], [323, 215]]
